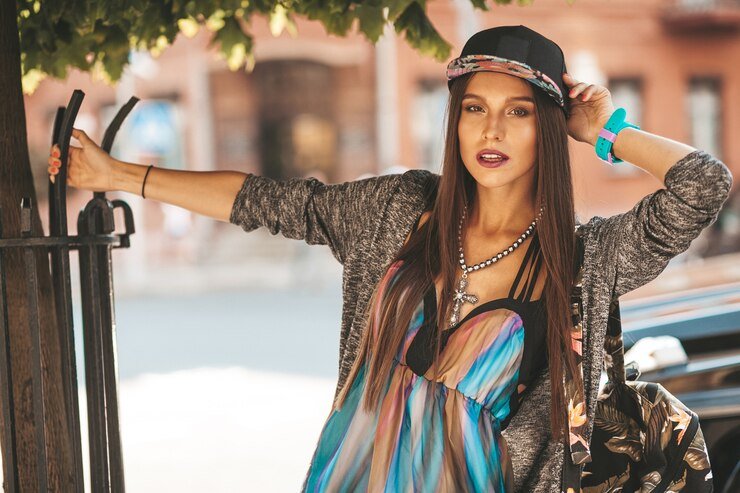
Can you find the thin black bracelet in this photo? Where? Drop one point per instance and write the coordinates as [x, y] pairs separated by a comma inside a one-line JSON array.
[[144, 182]]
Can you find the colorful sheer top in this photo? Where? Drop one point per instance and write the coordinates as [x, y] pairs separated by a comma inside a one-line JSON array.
[[444, 434]]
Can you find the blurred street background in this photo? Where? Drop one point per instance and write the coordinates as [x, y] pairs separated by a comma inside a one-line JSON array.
[[228, 342]]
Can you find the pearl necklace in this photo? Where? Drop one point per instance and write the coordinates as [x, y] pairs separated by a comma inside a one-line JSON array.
[[460, 296]]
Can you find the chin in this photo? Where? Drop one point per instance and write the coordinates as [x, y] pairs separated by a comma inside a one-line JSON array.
[[494, 178], [491, 175], [488, 178]]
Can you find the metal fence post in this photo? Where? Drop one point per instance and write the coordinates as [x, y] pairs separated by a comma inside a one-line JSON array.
[[95, 239]]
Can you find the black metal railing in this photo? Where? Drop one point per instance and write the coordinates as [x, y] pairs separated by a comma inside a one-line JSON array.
[[94, 241]]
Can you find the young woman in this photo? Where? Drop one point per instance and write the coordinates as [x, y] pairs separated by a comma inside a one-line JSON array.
[[456, 313]]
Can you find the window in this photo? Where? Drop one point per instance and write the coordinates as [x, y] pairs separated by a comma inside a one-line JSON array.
[[297, 127], [152, 132], [627, 93], [427, 123], [705, 114]]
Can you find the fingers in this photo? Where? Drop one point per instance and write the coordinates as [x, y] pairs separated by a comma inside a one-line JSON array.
[[55, 160], [568, 79], [54, 166], [588, 92], [584, 89], [55, 153], [80, 135], [576, 87]]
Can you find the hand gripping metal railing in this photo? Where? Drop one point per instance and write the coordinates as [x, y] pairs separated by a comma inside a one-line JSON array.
[[94, 240]]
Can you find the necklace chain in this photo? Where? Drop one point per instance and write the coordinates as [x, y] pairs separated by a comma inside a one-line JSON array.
[[460, 296]]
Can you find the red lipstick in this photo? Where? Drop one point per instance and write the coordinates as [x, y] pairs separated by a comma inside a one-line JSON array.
[[492, 158]]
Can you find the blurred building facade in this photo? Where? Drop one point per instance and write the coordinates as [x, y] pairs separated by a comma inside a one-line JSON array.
[[341, 109]]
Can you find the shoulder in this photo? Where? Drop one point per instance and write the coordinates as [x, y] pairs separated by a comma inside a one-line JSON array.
[[408, 183], [587, 228], [419, 187], [418, 180]]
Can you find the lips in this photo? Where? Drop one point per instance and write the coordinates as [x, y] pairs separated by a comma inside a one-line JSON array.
[[491, 164], [491, 151]]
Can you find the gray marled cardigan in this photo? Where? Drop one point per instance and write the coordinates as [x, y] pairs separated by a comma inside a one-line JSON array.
[[364, 223]]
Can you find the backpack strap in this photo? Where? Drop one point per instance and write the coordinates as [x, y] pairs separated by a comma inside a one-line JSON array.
[[577, 421], [614, 344]]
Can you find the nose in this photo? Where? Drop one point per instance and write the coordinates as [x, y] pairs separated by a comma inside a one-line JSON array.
[[494, 127]]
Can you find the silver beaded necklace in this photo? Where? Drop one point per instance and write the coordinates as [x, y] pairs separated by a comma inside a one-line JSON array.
[[460, 296]]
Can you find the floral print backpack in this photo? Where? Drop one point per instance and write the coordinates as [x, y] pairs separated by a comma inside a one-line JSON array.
[[644, 439]]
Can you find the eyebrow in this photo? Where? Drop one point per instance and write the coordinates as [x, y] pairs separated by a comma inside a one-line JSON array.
[[510, 98]]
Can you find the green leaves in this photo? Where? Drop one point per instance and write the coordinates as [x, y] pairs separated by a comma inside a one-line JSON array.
[[97, 35], [280, 20], [371, 20], [480, 5], [235, 44], [421, 34], [396, 8]]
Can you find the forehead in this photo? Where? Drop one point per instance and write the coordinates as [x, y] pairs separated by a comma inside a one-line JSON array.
[[496, 85]]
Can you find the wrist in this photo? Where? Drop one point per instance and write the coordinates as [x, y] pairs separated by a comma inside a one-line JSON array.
[[128, 177], [608, 135], [595, 136]]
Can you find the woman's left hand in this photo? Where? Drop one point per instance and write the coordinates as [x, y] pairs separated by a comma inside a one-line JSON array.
[[590, 108]]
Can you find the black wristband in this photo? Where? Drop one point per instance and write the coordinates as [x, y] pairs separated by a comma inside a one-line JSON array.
[[144, 182]]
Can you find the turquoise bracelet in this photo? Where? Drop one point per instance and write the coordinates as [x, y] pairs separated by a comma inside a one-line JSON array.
[[608, 135]]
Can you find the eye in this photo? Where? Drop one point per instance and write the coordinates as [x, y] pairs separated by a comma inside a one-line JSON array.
[[471, 106], [523, 113]]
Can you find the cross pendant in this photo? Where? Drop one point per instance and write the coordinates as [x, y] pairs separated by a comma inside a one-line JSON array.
[[459, 298]]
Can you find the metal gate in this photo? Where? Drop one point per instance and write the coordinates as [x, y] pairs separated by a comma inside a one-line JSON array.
[[94, 242]]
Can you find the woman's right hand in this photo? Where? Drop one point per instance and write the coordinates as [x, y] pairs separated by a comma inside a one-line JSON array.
[[88, 167]]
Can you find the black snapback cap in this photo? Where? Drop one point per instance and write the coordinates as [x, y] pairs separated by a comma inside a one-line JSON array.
[[515, 50]]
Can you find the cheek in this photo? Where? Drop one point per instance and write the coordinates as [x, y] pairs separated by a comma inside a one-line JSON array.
[[464, 131], [528, 138]]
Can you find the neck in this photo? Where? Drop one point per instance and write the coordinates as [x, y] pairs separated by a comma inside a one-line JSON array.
[[500, 212]]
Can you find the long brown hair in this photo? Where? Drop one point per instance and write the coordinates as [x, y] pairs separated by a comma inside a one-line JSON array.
[[432, 250]]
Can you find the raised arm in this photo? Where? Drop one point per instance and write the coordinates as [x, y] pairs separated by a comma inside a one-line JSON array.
[[664, 223], [637, 245]]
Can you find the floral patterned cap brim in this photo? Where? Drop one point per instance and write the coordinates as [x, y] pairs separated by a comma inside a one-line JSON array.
[[491, 63]]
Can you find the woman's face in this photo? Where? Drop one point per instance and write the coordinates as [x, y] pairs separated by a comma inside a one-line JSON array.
[[498, 113]]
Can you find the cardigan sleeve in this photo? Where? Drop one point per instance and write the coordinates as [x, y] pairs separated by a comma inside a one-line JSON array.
[[307, 209], [664, 223]]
